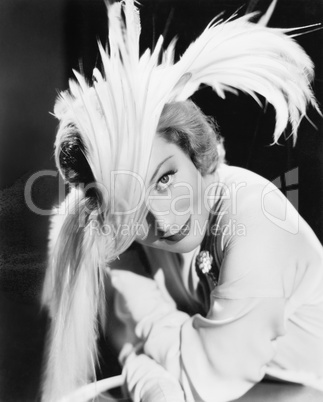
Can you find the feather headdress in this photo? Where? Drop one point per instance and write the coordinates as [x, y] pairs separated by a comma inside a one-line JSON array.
[[115, 119]]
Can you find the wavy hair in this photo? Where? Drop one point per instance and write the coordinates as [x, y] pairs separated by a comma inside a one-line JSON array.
[[185, 125]]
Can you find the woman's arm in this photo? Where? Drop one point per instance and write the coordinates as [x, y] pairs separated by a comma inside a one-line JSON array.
[[216, 358], [146, 380]]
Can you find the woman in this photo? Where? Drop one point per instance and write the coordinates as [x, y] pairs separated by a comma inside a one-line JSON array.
[[145, 164]]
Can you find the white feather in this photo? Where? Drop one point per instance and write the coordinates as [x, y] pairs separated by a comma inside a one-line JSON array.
[[253, 59], [266, 17], [74, 294]]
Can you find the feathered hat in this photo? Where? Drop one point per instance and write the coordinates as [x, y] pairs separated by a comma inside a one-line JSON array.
[[110, 125]]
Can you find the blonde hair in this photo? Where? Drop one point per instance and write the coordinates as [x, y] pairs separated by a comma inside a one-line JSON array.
[[184, 124]]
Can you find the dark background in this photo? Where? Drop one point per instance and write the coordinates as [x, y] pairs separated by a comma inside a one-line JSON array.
[[40, 42]]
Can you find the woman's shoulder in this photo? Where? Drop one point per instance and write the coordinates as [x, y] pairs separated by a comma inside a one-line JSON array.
[[240, 191], [249, 201], [258, 205], [228, 174]]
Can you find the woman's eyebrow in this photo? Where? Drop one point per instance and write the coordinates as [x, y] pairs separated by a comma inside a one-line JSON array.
[[159, 166]]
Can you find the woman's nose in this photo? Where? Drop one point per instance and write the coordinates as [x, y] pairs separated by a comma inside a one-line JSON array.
[[160, 223]]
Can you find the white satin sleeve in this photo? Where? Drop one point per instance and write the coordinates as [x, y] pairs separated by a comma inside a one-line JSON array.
[[218, 358]]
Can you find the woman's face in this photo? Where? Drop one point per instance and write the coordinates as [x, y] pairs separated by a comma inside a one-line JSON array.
[[178, 210]]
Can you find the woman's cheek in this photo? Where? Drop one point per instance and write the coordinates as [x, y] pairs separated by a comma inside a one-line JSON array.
[[158, 203], [182, 200]]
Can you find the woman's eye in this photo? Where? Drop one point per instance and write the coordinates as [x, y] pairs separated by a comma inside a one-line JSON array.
[[165, 181]]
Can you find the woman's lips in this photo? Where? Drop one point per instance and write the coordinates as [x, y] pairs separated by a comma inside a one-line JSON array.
[[183, 232]]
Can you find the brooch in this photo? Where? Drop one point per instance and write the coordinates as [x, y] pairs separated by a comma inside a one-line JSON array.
[[204, 262]]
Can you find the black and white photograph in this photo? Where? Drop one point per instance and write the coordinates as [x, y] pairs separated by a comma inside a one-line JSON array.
[[161, 200]]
